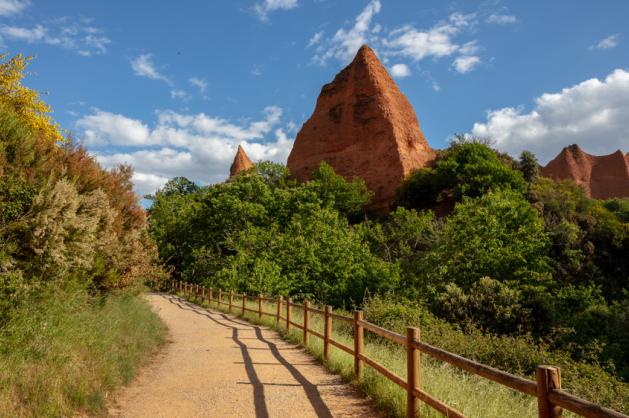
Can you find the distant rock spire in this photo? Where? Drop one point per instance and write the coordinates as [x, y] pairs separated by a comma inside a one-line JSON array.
[[602, 177], [363, 126], [241, 162]]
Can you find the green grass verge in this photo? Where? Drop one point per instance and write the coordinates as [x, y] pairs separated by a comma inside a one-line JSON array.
[[470, 394], [62, 353]]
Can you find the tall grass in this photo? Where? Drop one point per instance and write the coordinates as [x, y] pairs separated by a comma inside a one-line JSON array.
[[470, 394], [63, 352]]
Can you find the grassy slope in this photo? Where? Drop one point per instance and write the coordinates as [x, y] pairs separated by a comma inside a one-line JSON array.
[[470, 394], [64, 353]]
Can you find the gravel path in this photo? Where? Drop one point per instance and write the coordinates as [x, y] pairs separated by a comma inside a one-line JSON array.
[[219, 366]]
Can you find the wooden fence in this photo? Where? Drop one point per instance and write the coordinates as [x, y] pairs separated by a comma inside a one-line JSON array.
[[551, 399]]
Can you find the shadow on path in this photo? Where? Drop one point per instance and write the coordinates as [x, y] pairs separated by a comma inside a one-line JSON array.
[[261, 408]]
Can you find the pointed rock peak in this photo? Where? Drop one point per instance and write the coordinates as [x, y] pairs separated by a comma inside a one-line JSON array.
[[363, 126], [366, 54], [241, 162], [602, 176]]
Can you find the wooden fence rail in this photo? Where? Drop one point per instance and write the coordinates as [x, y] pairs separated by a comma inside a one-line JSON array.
[[551, 399]]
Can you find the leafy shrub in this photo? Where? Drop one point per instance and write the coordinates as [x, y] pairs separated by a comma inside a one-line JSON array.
[[465, 169]]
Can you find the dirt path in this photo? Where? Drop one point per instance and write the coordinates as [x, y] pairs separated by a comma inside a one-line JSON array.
[[220, 366]]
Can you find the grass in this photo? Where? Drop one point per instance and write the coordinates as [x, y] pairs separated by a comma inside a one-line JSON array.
[[63, 353], [472, 395]]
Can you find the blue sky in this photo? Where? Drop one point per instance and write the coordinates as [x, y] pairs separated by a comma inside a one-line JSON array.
[[174, 87]]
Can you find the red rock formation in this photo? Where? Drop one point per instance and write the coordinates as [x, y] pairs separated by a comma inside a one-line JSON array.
[[602, 177], [241, 163], [362, 126]]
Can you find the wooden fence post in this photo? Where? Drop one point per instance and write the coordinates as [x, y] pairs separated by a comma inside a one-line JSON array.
[[306, 320], [260, 306], [196, 293], [279, 309], [231, 300], [244, 302], [327, 332], [358, 344], [288, 303], [202, 293], [548, 378], [220, 296], [413, 371], [211, 295]]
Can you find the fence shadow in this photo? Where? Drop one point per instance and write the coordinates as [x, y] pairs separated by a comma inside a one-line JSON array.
[[261, 408]]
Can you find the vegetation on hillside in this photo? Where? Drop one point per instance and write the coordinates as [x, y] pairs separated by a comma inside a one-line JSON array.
[[73, 248], [495, 262]]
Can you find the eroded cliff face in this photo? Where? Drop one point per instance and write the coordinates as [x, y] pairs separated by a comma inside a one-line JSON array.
[[602, 177], [241, 163], [363, 126]]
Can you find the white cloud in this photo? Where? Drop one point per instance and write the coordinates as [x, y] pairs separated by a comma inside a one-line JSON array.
[[12, 7], [436, 42], [267, 6], [147, 183], [593, 114], [102, 128], [405, 42], [316, 38], [30, 35], [199, 83], [197, 146], [256, 71], [501, 19], [344, 44], [400, 70], [606, 43], [73, 34], [466, 63], [143, 66], [177, 94]]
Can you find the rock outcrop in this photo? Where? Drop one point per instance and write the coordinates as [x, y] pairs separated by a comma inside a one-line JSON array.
[[363, 126], [241, 163], [602, 177]]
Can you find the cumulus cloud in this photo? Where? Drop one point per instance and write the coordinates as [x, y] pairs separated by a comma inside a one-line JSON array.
[[143, 66], [606, 43], [400, 70], [197, 146], [12, 7], [593, 114], [263, 9], [145, 184], [73, 34], [102, 128]]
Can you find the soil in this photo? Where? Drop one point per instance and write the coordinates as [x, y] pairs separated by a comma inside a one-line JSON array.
[[217, 365]]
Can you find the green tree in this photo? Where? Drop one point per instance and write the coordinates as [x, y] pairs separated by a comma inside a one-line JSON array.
[[529, 166], [499, 235], [468, 168]]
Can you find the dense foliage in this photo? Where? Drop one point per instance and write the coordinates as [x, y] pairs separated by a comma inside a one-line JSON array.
[[71, 235], [62, 217], [479, 240]]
